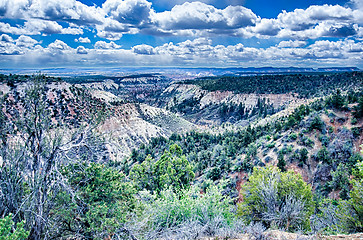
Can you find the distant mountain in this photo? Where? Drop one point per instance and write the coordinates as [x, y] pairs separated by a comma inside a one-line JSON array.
[[175, 72]]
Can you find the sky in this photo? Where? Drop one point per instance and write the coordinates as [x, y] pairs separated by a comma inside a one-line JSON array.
[[178, 33]]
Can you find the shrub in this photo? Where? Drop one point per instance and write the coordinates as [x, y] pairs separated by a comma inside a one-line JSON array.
[[341, 148], [214, 173], [292, 136], [323, 156], [352, 209], [327, 218], [172, 169], [271, 145], [317, 124], [99, 202], [354, 121], [8, 231], [188, 214], [276, 198], [324, 140], [281, 163]]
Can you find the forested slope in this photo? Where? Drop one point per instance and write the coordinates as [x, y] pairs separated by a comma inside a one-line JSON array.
[[301, 172]]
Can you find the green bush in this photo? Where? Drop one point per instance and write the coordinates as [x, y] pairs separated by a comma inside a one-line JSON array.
[[172, 210], [317, 124], [277, 199], [9, 232], [323, 156], [352, 209], [293, 136], [100, 202], [172, 169]]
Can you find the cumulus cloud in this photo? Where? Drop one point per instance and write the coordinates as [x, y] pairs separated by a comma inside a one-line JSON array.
[[301, 19], [58, 45], [6, 38], [64, 10], [81, 50], [197, 15], [197, 52], [105, 45], [19, 46], [7, 48], [135, 12], [83, 40], [143, 49], [267, 27], [39, 26], [26, 41], [196, 18], [291, 44]]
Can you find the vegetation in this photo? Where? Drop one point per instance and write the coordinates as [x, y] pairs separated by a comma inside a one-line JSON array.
[[57, 179], [304, 85], [277, 199], [7, 230]]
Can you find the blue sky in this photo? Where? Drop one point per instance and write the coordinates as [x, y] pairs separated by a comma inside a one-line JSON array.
[[205, 33]]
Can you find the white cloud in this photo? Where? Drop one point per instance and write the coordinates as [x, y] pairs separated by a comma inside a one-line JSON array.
[[197, 15], [81, 50], [197, 52], [301, 19], [83, 40], [6, 38], [64, 10], [291, 44], [195, 19], [58, 45], [7, 48], [267, 27], [135, 12], [143, 49], [105, 45], [112, 36], [39, 26], [26, 41]]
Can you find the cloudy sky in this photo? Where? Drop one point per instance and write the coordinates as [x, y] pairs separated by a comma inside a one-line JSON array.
[[205, 33]]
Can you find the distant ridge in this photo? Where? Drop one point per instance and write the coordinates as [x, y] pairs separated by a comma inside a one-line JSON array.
[[176, 72]]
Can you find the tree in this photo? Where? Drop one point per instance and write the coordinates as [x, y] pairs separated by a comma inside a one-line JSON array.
[[9, 232], [33, 149], [337, 100], [281, 163], [352, 209], [358, 113], [275, 198], [103, 199], [172, 169], [323, 156]]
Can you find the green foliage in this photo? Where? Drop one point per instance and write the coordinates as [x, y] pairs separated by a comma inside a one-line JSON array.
[[293, 136], [323, 156], [105, 199], [172, 169], [304, 85], [303, 155], [271, 145], [270, 195], [281, 163], [328, 217], [8, 231], [340, 178], [171, 209], [317, 124], [352, 209], [336, 101], [358, 113]]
